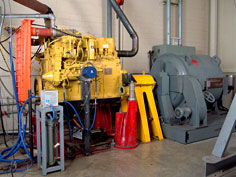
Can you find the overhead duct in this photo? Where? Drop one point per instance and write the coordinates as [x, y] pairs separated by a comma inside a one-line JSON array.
[[130, 30]]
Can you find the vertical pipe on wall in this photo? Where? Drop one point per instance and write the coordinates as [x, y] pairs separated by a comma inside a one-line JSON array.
[[180, 22], [213, 27], [109, 19], [168, 21]]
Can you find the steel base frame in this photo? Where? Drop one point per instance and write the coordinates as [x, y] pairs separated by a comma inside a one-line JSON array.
[[187, 134]]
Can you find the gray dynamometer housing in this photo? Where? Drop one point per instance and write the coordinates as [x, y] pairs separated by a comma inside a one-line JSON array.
[[188, 88]]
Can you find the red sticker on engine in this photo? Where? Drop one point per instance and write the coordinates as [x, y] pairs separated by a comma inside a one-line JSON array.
[[194, 61]]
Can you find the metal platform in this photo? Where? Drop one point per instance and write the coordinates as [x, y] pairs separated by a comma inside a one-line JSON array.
[[187, 134]]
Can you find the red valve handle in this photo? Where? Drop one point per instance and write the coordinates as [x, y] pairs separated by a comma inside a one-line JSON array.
[[120, 2]]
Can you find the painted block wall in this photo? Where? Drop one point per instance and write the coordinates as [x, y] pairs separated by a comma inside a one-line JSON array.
[[227, 35], [147, 17]]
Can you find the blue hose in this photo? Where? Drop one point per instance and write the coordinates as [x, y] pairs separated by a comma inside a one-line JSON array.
[[13, 77], [52, 117], [19, 144], [21, 135], [82, 125], [12, 150]]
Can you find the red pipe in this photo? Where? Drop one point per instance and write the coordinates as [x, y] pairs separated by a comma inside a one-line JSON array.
[[41, 32]]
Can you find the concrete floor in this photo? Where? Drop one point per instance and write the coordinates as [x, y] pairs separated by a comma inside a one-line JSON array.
[[160, 158]]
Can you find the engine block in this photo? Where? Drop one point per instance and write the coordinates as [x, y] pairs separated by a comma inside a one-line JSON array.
[[64, 58]]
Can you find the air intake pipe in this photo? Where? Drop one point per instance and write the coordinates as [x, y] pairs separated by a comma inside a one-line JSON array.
[[129, 28]]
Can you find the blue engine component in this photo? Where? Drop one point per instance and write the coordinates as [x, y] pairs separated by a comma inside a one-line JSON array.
[[89, 72]]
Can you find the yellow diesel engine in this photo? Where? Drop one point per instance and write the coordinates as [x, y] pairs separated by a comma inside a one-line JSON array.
[[85, 67], [64, 59]]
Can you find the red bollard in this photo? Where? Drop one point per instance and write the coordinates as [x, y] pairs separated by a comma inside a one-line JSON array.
[[125, 127]]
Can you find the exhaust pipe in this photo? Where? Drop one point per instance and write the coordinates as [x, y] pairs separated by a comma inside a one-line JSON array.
[[41, 8], [35, 5], [129, 28]]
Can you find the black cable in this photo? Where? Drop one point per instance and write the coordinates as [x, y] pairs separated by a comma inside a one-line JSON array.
[[3, 127], [37, 51], [7, 51], [64, 32], [8, 39], [11, 35], [3, 57], [4, 86], [3, 69], [5, 62], [14, 56]]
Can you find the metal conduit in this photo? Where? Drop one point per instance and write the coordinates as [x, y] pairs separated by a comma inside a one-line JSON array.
[[109, 19], [168, 21], [180, 22], [49, 19], [49, 16]]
